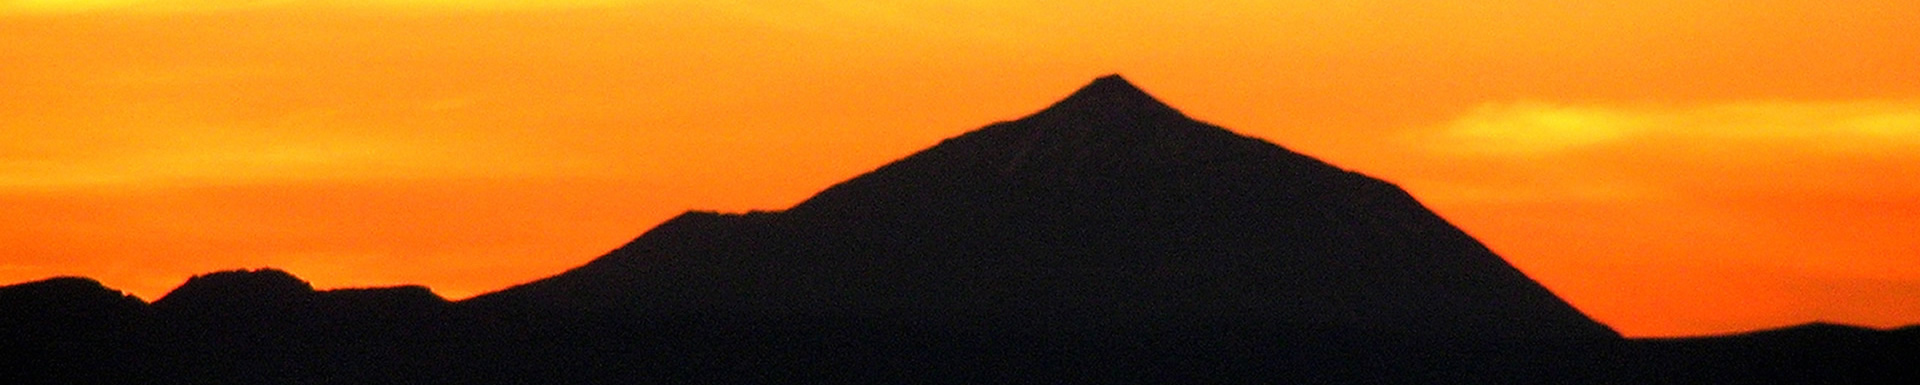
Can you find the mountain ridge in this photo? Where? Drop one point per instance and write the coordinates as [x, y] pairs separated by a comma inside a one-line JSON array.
[[1094, 209]]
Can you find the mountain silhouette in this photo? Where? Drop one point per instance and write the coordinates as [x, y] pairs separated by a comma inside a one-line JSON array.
[[1106, 239], [277, 293], [233, 290], [1108, 207], [66, 298], [69, 309], [239, 326]]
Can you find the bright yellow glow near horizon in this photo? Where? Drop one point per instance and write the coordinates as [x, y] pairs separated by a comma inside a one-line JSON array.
[[1669, 167], [193, 6]]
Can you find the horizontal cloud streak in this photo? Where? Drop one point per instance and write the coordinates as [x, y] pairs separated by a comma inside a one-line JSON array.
[[1534, 129]]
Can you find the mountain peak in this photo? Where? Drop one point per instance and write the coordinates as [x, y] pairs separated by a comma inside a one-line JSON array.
[[1108, 206], [63, 291], [1112, 98], [236, 287], [1112, 83]]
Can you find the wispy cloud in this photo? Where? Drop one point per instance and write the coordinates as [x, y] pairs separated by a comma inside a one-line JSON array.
[[1534, 129]]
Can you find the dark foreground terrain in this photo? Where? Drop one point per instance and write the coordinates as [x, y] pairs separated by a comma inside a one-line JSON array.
[[1106, 239], [72, 331]]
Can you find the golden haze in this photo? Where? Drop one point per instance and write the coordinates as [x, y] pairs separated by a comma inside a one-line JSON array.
[[1670, 167]]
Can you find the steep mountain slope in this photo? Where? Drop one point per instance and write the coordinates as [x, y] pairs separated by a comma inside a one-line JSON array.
[[1107, 208]]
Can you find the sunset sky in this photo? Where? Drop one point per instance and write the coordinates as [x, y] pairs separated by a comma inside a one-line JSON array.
[[1671, 167]]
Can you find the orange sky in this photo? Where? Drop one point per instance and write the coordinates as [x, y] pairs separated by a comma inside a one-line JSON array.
[[1671, 167]]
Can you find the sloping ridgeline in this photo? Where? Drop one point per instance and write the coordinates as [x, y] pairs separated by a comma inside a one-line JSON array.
[[1108, 238]]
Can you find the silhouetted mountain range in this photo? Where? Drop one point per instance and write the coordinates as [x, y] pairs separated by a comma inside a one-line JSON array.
[[1109, 208], [1108, 238]]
